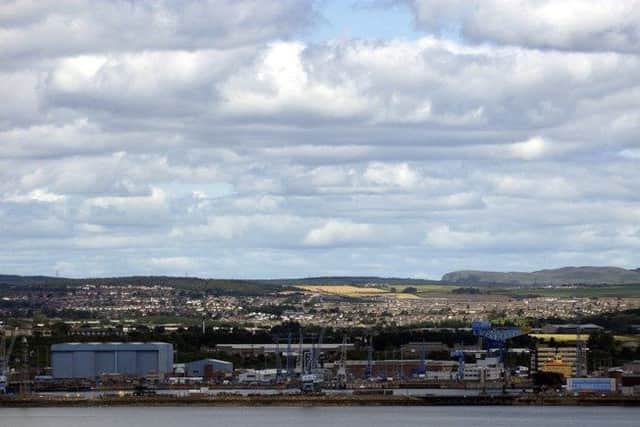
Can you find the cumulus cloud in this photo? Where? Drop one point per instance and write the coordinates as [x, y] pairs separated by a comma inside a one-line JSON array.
[[68, 27], [214, 137], [588, 25], [339, 233]]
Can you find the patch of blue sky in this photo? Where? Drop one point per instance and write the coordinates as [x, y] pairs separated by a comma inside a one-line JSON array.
[[343, 19], [209, 190]]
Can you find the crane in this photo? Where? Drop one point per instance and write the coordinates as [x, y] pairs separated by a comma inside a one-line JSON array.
[[342, 366], [459, 354], [369, 371], [494, 337], [422, 368], [278, 361], [316, 361], [289, 368], [5, 356]]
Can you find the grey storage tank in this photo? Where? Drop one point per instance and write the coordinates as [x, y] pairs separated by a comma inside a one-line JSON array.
[[89, 360]]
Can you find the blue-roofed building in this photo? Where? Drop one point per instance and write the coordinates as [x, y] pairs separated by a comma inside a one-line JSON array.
[[90, 360]]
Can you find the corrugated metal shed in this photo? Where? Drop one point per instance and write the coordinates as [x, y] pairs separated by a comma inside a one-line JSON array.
[[89, 360]]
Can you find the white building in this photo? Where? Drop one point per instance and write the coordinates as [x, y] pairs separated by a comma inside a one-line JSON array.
[[489, 369]]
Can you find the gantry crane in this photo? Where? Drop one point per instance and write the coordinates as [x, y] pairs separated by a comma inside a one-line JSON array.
[[494, 337]]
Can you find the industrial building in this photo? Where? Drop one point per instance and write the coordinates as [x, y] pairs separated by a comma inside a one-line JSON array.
[[572, 328], [255, 376], [256, 349], [395, 368], [208, 368], [548, 356], [90, 360], [489, 369]]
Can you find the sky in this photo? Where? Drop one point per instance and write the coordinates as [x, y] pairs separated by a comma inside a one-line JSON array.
[[266, 139]]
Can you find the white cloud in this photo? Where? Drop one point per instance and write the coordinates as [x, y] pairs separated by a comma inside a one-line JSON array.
[[173, 263], [37, 195], [400, 175], [336, 232], [158, 131], [66, 27], [568, 24]]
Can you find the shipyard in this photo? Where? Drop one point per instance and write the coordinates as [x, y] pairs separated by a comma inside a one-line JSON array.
[[482, 364], [242, 212]]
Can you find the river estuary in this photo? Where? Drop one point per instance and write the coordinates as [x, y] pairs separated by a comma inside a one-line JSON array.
[[489, 416]]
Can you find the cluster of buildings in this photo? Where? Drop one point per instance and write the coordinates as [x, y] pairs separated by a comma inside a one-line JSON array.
[[141, 360], [155, 361], [117, 308]]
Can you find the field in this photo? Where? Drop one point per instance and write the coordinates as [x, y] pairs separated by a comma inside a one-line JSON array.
[[564, 338], [357, 291], [426, 288], [406, 296], [628, 291], [347, 291]]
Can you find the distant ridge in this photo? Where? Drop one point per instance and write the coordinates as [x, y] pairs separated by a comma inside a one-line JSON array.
[[559, 276], [237, 285]]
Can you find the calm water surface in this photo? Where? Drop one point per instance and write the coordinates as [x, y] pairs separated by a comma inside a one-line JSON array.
[[322, 417]]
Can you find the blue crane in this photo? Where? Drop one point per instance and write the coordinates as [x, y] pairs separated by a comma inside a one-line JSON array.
[[494, 337]]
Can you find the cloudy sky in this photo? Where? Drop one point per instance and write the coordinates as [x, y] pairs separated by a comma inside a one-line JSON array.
[[254, 139]]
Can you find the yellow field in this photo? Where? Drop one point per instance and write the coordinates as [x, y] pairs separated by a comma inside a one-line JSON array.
[[425, 288], [349, 291], [406, 296], [572, 337]]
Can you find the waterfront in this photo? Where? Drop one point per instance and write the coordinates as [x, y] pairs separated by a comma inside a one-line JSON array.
[[320, 416]]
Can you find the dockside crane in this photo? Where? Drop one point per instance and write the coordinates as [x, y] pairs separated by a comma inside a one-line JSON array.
[[5, 356], [422, 367], [342, 366], [494, 337], [369, 371], [278, 361], [459, 354], [289, 366]]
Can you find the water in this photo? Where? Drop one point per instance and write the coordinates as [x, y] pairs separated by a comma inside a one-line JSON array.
[[322, 417], [267, 391]]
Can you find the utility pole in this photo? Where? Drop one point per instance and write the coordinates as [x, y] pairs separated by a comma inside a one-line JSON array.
[[300, 361]]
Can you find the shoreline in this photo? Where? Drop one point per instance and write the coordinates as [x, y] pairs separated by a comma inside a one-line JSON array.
[[321, 400]]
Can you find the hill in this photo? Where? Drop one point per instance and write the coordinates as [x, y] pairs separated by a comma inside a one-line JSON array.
[[559, 276], [222, 286]]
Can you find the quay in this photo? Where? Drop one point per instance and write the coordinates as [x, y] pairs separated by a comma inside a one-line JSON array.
[[373, 399]]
